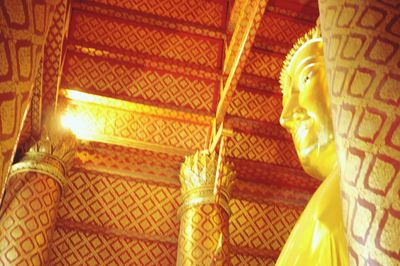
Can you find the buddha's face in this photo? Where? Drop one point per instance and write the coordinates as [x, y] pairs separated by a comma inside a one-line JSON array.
[[306, 111]]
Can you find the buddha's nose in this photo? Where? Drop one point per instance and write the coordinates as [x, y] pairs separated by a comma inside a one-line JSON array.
[[292, 115]]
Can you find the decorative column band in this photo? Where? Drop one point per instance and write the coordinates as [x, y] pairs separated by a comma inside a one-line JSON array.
[[204, 219], [35, 186], [51, 155], [43, 163], [197, 178]]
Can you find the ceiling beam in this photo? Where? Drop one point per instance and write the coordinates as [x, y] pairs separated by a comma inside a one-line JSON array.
[[251, 13]]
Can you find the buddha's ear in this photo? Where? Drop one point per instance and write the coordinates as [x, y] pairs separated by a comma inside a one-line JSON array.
[[318, 23]]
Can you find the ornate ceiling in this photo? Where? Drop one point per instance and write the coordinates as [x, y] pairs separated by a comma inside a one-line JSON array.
[[148, 82]]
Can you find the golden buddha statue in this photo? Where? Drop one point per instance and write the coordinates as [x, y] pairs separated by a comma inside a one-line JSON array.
[[318, 238]]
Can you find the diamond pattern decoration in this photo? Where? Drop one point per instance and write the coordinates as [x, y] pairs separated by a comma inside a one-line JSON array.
[[274, 175], [365, 108], [264, 64], [52, 56], [115, 202], [256, 105], [21, 42], [263, 149], [71, 246], [203, 230], [281, 30], [147, 62], [272, 130], [144, 18], [261, 193], [185, 48], [129, 126], [155, 165], [27, 219], [239, 259], [118, 80], [207, 13], [120, 206], [256, 226], [260, 83]]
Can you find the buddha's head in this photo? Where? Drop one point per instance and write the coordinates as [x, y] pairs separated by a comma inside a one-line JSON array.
[[306, 108]]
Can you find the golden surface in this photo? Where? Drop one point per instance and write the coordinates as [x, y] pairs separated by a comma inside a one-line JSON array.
[[318, 237], [28, 219], [23, 29], [198, 176], [169, 73], [28, 213], [363, 71], [51, 155], [204, 228], [306, 109]]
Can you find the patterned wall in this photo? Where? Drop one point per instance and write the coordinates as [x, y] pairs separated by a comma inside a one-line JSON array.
[[203, 236], [207, 13], [151, 41], [262, 149], [21, 42], [108, 217], [273, 175], [120, 204], [129, 128], [75, 247], [260, 230], [256, 104], [144, 164], [26, 225], [279, 32], [52, 56], [361, 45], [264, 64], [137, 83]]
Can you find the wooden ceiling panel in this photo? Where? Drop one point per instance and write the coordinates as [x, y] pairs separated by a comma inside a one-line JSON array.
[[72, 246], [256, 105], [262, 149], [279, 32], [246, 259], [121, 80], [260, 229], [155, 67], [210, 13], [140, 126], [100, 31], [301, 9], [260, 193], [273, 175], [146, 165], [144, 18], [145, 61], [120, 204], [260, 83], [253, 127], [264, 64]]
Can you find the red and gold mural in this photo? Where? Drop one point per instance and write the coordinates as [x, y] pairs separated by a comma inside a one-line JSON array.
[[143, 84], [361, 45], [24, 27]]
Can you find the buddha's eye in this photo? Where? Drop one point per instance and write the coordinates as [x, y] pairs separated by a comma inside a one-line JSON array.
[[308, 77]]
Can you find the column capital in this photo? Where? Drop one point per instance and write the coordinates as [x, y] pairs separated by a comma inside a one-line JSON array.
[[197, 178], [52, 154]]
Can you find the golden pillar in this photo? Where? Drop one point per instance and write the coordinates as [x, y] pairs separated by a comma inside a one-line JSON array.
[[362, 55], [29, 209], [23, 30], [204, 227]]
